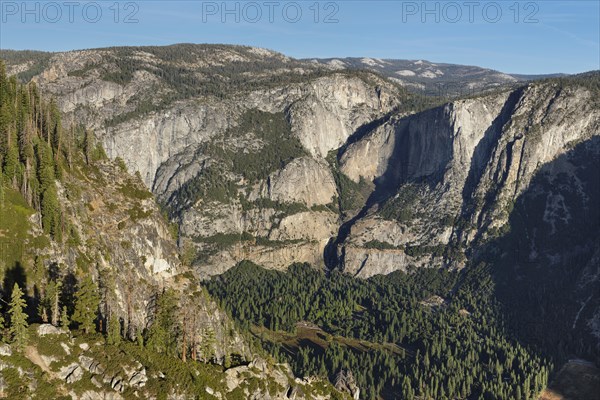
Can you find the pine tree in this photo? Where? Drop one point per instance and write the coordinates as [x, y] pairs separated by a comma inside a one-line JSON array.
[[163, 333], [18, 318], [53, 290], [64, 319], [45, 161], [87, 301], [407, 391], [207, 344], [426, 361], [114, 330], [56, 129], [50, 206]]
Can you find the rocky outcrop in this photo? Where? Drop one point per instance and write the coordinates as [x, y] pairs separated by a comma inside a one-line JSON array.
[[289, 217], [272, 255], [115, 233], [274, 238], [71, 373], [316, 226], [5, 350], [90, 365], [283, 385]]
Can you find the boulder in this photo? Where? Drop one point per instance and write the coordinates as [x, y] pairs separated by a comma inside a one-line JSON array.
[[5, 350], [91, 365], [139, 378], [71, 373], [117, 384], [49, 329]]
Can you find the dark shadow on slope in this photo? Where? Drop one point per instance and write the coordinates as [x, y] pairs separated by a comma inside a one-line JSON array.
[[546, 269], [69, 287], [15, 274]]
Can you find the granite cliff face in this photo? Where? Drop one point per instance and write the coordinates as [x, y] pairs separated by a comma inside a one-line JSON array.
[[177, 136], [238, 144], [450, 176], [323, 107], [509, 180]]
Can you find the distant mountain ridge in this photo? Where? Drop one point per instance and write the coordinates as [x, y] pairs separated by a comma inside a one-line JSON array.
[[422, 76], [433, 78]]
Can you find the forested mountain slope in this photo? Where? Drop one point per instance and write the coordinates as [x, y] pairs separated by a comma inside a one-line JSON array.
[[259, 157], [84, 247]]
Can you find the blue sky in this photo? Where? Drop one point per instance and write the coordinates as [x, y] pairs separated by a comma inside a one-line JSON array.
[[519, 37]]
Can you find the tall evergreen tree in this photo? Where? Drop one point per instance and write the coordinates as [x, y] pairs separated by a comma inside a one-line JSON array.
[[53, 291], [162, 334], [45, 160], [51, 213], [114, 330], [18, 318], [87, 301], [65, 322]]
